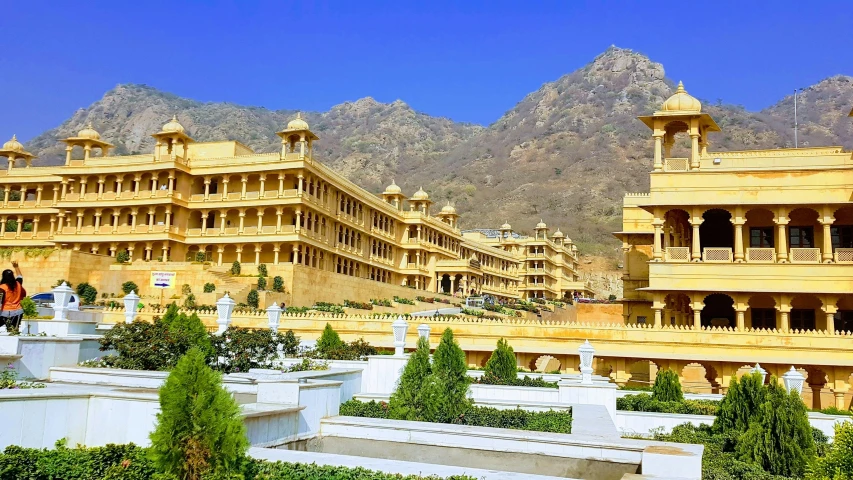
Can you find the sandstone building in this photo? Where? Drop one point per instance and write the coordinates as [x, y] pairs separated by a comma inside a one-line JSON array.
[[220, 202]]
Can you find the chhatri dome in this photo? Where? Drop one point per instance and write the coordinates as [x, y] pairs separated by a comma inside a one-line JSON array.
[[558, 234], [297, 123], [448, 209], [392, 189], [173, 126], [13, 145], [541, 224], [89, 133], [420, 195], [506, 226], [681, 101]]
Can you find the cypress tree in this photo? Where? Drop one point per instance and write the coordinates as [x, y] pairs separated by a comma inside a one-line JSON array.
[[502, 367], [780, 438], [741, 404], [407, 400], [667, 387], [446, 389], [199, 430], [329, 340]]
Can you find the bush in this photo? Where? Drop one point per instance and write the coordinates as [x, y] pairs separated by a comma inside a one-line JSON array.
[[29, 307], [407, 401], [199, 430], [235, 268], [252, 298], [328, 307], [837, 462], [741, 404], [446, 388], [358, 305], [189, 302], [403, 301], [87, 293], [502, 366], [473, 313], [200, 257], [380, 302], [667, 387], [129, 462], [289, 343], [60, 282], [209, 288], [517, 382], [329, 340], [128, 287], [518, 419], [262, 270], [262, 283], [780, 439], [647, 403], [123, 256], [239, 349], [424, 299], [186, 289], [277, 284]]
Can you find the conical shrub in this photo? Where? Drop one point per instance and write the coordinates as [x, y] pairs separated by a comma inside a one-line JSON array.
[[502, 367], [407, 401], [667, 387]]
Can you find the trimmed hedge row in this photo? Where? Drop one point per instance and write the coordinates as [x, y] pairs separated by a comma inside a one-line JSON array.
[[554, 421], [645, 403], [130, 462], [517, 382]]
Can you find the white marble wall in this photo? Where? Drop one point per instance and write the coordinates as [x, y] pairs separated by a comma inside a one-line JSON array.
[[503, 393], [39, 354], [382, 374]]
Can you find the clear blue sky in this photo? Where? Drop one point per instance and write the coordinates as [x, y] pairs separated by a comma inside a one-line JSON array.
[[467, 60]]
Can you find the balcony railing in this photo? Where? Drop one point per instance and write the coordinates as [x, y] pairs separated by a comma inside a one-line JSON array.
[[678, 254], [760, 255], [676, 164], [717, 255], [844, 255], [805, 255]]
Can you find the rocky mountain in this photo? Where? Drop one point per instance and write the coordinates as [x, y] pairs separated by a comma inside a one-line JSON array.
[[565, 153]]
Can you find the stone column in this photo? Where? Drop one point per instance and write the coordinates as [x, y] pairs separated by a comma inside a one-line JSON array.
[[784, 316], [257, 254], [207, 188], [741, 318], [55, 195], [830, 311], [98, 221], [826, 254], [20, 226], [738, 223], [222, 223], [694, 151], [79, 221], [224, 188], [100, 187], [278, 212], [133, 213], [243, 181], [275, 251], [658, 252], [52, 227], [219, 252], [658, 165], [300, 185], [696, 250], [38, 195], [782, 239], [280, 184], [204, 216], [260, 221], [262, 179], [239, 249], [242, 221], [136, 180]]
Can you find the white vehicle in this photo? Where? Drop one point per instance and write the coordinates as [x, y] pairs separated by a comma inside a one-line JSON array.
[[46, 300]]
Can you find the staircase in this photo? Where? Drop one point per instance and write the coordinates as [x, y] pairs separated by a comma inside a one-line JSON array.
[[226, 283]]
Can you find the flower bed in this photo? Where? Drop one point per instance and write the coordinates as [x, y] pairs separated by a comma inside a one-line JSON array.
[[129, 462], [518, 419], [359, 305]]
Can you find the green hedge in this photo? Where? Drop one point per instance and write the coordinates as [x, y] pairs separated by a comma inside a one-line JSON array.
[[517, 382], [555, 421], [645, 403], [129, 462]]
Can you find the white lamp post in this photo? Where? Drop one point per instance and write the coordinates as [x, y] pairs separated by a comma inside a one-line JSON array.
[[61, 296], [224, 307], [131, 302], [423, 331], [400, 328], [757, 369], [793, 381], [274, 314], [586, 353]]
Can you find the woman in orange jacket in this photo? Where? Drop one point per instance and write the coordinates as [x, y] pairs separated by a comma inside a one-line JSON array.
[[12, 290]]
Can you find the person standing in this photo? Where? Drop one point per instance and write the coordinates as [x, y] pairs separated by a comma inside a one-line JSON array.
[[12, 290]]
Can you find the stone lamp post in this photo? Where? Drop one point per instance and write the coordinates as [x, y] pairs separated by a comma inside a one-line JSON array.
[[587, 353], [131, 303], [793, 381], [423, 331], [400, 328], [757, 369], [61, 296], [224, 308], [274, 315]]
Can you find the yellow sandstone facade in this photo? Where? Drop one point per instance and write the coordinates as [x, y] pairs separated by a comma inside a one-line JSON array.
[[753, 241], [220, 202]]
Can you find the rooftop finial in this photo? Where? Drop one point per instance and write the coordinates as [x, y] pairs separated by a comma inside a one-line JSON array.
[[14, 137], [299, 115], [680, 88]]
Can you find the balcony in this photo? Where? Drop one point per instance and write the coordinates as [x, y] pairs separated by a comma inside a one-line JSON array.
[[755, 255], [767, 277]]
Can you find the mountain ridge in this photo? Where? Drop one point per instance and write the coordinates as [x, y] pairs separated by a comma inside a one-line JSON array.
[[566, 152]]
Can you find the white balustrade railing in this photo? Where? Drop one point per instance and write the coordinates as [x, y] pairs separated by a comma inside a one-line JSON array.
[[717, 255], [677, 254], [760, 255], [805, 255]]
